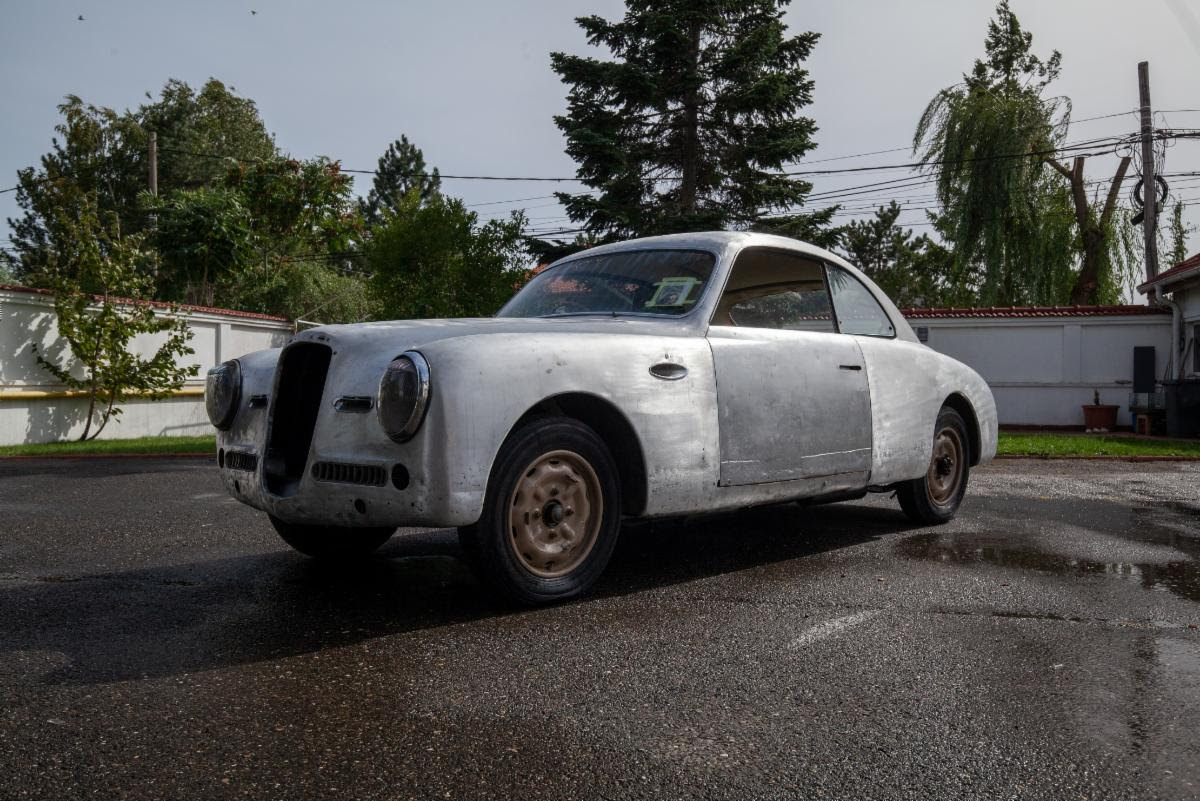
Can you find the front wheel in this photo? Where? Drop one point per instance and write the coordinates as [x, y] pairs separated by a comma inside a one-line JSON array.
[[331, 542], [551, 514], [936, 496]]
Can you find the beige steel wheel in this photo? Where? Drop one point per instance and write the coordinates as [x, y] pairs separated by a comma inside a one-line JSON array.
[[947, 466], [936, 496], [554, 513], [551, 514]]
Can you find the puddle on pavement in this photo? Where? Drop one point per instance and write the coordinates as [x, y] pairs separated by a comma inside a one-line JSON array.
[[1165, 525]]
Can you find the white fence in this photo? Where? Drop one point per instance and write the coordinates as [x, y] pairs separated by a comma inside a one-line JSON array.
[[1044, 363], [35, 408]]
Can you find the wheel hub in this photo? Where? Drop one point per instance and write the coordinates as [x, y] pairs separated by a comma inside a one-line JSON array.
[[945, 467]]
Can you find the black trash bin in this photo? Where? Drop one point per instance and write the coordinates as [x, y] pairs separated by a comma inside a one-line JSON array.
[[1183, 407]]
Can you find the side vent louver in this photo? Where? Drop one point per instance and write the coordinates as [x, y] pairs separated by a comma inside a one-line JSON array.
[[366, 474], [240, 460]]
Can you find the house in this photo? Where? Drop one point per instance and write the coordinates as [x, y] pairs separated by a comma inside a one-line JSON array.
[[1179, 289]]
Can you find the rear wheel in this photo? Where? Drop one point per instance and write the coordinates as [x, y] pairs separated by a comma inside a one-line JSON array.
[[331, 542], [936, 496], [551, 515]]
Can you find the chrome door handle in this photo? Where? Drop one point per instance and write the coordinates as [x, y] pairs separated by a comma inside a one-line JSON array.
[[668, 371], [849, 366]]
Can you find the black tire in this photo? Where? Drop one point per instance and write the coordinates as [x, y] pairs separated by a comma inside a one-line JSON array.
[[935, 497], [512, 547], [332, 542]]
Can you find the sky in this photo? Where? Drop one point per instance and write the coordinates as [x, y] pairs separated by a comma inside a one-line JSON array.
[[470, 82]]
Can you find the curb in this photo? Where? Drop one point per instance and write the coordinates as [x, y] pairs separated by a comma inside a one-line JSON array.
[[51, 456]]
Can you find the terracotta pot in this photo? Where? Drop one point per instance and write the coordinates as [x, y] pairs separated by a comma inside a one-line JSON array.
[[1101, 417]]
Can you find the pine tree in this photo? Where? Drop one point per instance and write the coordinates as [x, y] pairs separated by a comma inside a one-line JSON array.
[[690, 123], [401, 170]]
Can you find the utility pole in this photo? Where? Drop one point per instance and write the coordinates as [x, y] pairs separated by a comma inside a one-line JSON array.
[[1149, 190], [153, 163]]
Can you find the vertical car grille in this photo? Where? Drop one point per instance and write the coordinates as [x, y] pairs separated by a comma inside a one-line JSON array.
[[296, 401], [367, 474]]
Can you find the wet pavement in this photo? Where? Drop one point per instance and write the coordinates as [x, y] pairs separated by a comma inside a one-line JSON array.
[[158, 641]]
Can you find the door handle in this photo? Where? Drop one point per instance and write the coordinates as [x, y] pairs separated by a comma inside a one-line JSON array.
[[668, 371], [849, 366]]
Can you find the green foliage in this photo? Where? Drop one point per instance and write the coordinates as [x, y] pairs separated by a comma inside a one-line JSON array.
[[1004, 213], [1176, 249], [914, 271], [202, 237], [302, 226], [89, 253], [688, 124], [102, 154], [193, 127], [189, 444], [432, 259], [401, 171]]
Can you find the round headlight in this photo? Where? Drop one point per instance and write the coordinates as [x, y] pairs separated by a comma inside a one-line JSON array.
[[222, 392], [404, 396]]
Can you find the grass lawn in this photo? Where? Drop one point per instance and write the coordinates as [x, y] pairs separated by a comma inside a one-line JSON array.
[[204, 444], [1016, 443]]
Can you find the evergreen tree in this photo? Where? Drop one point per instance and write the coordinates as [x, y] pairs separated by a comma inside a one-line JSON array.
[[401, 171], [689, 124], [914, 271]]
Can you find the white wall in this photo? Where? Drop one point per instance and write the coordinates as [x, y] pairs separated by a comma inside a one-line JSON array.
[[1042, 369], [27, 317]]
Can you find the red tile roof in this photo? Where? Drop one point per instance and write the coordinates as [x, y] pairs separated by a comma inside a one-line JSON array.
[[1033, 311], [158, 304], [1186, 266]]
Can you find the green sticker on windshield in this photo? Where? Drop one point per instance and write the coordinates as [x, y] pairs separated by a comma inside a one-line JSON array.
[[673, 292]]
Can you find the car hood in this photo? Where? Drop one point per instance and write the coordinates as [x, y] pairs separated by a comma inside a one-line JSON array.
[[414, 333]]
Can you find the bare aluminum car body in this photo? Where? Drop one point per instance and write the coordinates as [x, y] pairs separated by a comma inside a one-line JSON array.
[[699, 418]]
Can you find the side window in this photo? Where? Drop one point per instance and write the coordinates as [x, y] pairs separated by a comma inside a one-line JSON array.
[[775, 289], [857, 310]]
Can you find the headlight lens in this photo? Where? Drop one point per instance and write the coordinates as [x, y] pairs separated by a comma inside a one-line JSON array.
[[222, 392], [404, 396]]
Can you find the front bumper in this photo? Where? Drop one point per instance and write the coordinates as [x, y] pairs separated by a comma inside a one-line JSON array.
[[350, 473]]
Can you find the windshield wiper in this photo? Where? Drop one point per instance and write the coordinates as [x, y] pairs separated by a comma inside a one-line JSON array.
[[609, 313]]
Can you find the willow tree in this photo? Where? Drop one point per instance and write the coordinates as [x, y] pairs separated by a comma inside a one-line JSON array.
[[687, 124], [1008, 216]]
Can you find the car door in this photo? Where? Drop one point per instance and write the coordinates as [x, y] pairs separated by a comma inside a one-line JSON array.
[[792, 395]]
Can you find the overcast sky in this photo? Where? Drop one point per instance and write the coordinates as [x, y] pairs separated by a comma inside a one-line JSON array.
[[470, 82]]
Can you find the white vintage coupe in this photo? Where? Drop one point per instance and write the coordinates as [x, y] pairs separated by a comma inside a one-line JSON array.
[[665, 376]]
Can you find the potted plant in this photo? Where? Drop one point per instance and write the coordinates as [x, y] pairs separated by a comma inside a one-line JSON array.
[[1099, 417]]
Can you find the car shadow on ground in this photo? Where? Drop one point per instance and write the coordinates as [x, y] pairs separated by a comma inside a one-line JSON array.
[[177, 619]]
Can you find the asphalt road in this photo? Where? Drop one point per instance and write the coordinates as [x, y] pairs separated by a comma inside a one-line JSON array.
[[158, 641]]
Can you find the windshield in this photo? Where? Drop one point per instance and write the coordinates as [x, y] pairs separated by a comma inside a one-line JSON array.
[[660, 282]]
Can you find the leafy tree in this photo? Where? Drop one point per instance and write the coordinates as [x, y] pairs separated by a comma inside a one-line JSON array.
[[93, 161], [689, 123], [984, 141], [202, 238], [432, 260], [197, 131], [914, 271], [98, 152], [1177, 248], [302, 226], [401, 171], [88, 252]]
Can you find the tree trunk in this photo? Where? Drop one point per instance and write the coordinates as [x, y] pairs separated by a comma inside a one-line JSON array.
[[1093, 231], [690, 157]]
